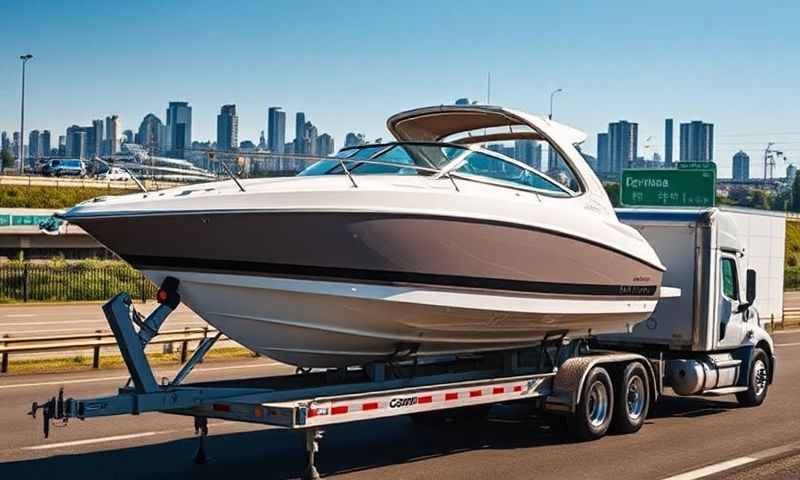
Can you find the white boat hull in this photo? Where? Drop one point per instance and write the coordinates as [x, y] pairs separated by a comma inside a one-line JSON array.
[[314, 323]]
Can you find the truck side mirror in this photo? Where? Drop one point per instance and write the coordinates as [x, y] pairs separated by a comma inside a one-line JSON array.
[[751, 286]]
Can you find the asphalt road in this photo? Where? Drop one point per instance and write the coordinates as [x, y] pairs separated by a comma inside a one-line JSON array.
[[682, 435]]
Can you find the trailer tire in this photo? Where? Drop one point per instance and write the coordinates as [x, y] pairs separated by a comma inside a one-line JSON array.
[[758, 383], [593, 414], [633, 399]]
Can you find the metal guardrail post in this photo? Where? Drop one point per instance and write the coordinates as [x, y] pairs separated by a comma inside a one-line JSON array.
[[185, 346], [25, 284], [96, 353], [4, 366]]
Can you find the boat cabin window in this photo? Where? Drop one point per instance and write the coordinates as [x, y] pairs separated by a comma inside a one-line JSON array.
[[479, 164]]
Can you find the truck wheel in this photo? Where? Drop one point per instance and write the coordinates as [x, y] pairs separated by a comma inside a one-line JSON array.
[[593, 414], [633, 399], [759, 381]]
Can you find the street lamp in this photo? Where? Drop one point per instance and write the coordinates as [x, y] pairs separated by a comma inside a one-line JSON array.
[[553, 94], [21, 157]]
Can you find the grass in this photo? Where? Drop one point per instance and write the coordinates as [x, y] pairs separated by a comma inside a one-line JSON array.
[[22, 196], [84, 362]]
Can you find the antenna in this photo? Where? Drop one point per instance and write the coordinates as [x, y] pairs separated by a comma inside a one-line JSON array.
[[489, 88]]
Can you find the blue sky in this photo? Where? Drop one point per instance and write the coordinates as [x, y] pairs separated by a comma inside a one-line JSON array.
[[349, 65]]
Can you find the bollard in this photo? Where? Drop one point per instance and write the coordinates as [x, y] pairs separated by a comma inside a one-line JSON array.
[[96, 353], [4, 366]]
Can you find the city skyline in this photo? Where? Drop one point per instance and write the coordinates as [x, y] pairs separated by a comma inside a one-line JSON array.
[[621, 67]]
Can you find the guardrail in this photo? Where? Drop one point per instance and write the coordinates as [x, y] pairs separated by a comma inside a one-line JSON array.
[[30, 180], [95, 341], [791, 316]]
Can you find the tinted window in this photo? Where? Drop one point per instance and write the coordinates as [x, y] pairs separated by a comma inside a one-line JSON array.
[[730, 287], [483, 165]]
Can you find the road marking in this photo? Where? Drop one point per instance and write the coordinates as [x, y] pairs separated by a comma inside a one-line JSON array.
[[787, 344], [87, 330], [712, 469], [125, 377], [90, 441], [20, 315]]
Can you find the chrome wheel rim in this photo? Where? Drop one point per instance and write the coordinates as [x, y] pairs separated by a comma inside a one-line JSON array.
[[635, 397], [759, 377], [597, 404]]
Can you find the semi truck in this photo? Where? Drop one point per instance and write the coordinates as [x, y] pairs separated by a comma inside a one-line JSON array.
[[710, 340]]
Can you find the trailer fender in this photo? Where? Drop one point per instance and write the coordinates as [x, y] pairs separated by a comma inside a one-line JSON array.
[[571, 375]]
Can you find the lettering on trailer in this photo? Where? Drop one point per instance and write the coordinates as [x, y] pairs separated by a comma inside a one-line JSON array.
[[402, 402]]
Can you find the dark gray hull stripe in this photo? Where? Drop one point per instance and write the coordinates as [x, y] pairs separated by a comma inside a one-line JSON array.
[[142, 262]]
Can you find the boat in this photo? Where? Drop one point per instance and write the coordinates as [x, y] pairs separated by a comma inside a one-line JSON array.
[[436, 243]]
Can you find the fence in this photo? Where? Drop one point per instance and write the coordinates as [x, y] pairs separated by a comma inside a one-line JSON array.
[[81, 281]]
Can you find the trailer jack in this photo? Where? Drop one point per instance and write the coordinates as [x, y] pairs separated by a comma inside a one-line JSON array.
[[313, 436], [201, 428], [51, 409]]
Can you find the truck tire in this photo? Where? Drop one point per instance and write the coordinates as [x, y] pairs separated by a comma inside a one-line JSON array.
[[593, 413], [758, 383], [633, 399]]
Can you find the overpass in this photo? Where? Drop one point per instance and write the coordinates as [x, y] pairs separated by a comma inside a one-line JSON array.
[[19, 233]]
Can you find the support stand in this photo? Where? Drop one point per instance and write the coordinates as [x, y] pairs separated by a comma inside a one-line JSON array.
[[201, 427], [313, 436]]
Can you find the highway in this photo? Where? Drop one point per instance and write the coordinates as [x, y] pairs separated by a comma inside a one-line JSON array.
[[682, 435]]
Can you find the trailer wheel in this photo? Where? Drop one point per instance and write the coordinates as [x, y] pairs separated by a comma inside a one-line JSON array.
[[593, 414], [633, 399], [759, 381]]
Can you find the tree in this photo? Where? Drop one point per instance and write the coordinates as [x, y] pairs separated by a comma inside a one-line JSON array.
[[7, 159], [796, 194], [759, 200]]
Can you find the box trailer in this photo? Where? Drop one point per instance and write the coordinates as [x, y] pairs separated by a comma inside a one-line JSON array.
[[708, 341]]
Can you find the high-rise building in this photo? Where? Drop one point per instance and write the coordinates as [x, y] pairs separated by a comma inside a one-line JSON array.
[[354, 139], [668, 137], [15, 144], [151, 134], [127, 136], [5, 144], [529, 152], [62, 146], [741, 166], [310, 135], [112, 134], [179, 129], [276, 130], [227, 128], [791, 172], [262, 142], [623, 139], [697, 142], [76, 144], [94, 139], [300, 133], [44, 143], [34, 144], [603, 154], [324, 145]]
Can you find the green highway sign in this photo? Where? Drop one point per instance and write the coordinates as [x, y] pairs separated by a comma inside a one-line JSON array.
[[668, 188], [25, 220], [697, 166]]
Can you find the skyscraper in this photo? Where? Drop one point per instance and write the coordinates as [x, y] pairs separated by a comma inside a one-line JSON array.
[[603, 154], [741, 166], [354, 139], [276, 130], [150, 134], [127, 136], [94, 139], [5, 144], [697, 142], [76, 142], [300, 133], [227, 128], [623, 139], [668, 137], [324, 145], [34, 145], [44, 145], [112, 134], [179, 129], [529, 152], [310, 135]]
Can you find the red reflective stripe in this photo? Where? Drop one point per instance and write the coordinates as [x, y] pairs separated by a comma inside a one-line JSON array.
[[451, 396], [517, 388], [426, 399], [497, 390], [370, 406], [221, 407], [339, 409], [312, 412], [475, 393]]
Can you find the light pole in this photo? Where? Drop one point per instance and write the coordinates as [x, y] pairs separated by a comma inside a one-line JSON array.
[[553, 94], [21, 157]]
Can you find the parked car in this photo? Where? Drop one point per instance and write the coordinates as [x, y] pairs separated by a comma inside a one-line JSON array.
[[64, 167], [115, 174]]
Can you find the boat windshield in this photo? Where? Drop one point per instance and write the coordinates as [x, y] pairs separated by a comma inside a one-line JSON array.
[[430, 158]]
